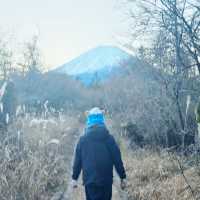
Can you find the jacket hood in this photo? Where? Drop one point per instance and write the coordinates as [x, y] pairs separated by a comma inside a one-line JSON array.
[[97, 132]]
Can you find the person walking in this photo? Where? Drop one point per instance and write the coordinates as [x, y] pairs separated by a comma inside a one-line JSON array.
[[96, 154]]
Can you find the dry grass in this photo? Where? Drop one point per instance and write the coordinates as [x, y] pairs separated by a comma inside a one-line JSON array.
[[35, 163], [157, 176], [35, 158]]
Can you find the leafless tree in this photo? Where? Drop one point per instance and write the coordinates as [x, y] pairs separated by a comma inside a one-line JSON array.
[[31, 57], [175, 28], [5, 60], [180, 19]]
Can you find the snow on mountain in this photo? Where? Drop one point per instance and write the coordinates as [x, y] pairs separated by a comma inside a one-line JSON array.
[[101, 61]]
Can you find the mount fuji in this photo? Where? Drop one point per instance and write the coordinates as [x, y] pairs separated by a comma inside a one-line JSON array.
[[99, 64]]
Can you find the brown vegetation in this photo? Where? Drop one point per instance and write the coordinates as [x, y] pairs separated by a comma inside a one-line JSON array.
[[35, 158], [154, 175]]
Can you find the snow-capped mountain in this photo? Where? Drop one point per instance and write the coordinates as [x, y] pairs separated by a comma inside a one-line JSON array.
[[98, 63]]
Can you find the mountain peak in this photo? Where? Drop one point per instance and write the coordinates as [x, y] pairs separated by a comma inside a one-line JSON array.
[[101, 59]]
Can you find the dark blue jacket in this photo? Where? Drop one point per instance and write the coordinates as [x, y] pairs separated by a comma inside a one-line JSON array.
[[96, 154]]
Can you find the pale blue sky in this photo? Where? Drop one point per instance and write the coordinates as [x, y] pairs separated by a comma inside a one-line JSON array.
[[66, 27]]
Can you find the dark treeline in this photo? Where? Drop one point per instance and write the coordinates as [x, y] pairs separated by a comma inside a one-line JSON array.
[[138, 101]]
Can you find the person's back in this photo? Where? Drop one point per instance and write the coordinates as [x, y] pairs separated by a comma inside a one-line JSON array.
[[96, 154]]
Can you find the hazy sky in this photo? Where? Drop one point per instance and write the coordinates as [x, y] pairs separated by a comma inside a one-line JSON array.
[[66, 27]]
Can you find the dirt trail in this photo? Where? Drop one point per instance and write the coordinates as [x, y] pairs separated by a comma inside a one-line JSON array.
[[78, 193]]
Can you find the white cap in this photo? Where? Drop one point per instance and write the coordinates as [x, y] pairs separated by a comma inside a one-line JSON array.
[[95, 111]]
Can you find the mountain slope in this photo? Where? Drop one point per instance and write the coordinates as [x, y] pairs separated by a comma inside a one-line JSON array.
[[98, 63]]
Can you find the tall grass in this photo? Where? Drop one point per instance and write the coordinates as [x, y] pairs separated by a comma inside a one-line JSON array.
[[35, 158], [156, 175]]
